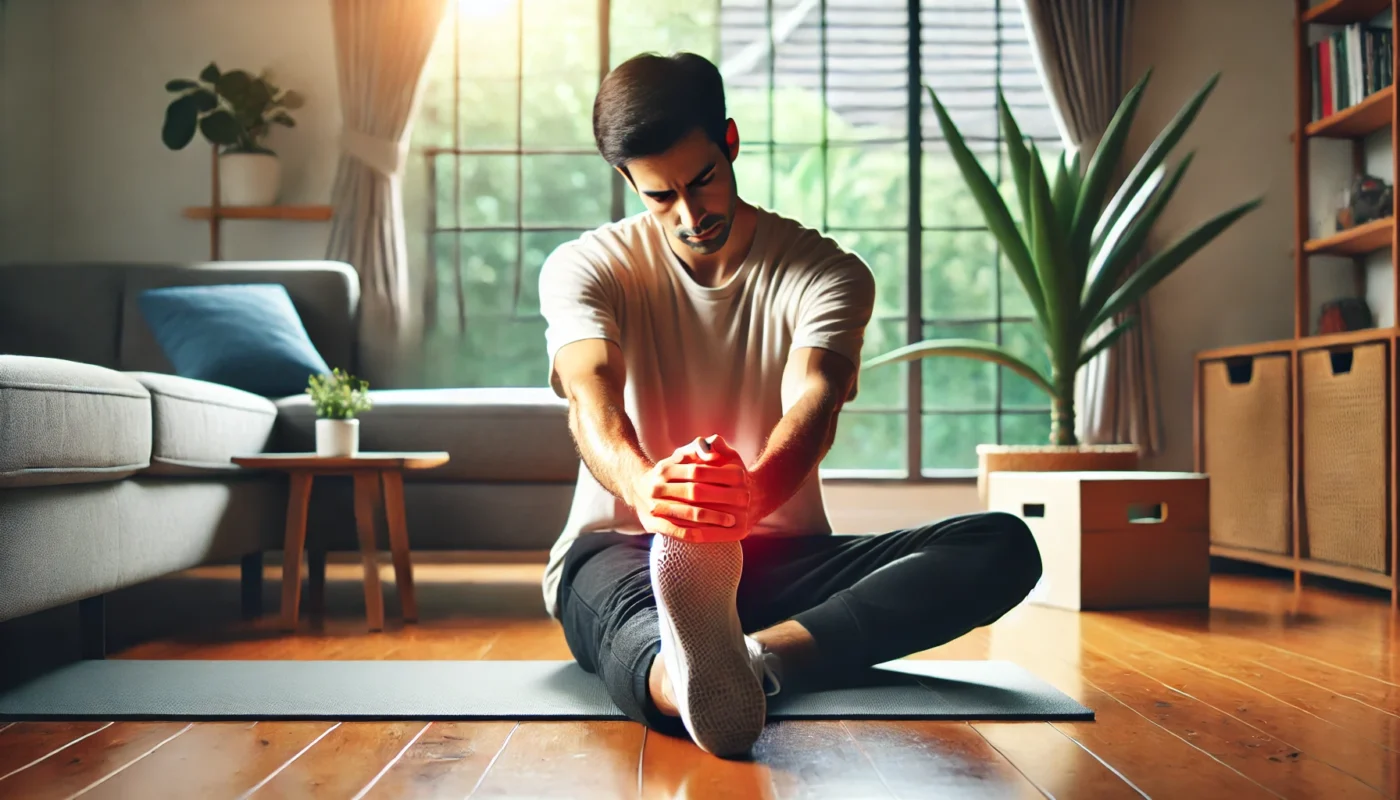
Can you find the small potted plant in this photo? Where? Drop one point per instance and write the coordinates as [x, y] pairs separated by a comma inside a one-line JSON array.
[[338, 397], [234, 110]]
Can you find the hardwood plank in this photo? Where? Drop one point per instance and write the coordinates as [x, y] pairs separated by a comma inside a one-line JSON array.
[[1289, 732], [344, 761], [448, 760], [1305, 684], [212, 759], [24, 743], [90, 760], [1059, 765], [938, 759], [674, 767], [567, 759], [817, 759], [1157, 761]]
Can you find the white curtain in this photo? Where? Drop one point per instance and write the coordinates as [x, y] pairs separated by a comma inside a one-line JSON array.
[[381, 48], [1081, 51]]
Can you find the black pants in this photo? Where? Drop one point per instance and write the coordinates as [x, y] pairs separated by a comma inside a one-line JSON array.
[[864, 599]]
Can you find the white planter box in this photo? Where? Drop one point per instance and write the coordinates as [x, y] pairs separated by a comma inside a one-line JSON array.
[[1113, 540]]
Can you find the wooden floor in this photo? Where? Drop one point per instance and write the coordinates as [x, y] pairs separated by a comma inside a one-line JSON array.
[[1269, 694]]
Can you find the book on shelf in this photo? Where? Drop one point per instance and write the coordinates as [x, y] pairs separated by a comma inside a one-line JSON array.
[[1349, 65]]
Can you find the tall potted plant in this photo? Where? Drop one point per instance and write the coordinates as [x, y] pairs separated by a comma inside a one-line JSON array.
[[1073, 251], [235, 111]]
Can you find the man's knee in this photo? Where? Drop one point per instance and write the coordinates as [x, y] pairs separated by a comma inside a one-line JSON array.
[[1012, 551]]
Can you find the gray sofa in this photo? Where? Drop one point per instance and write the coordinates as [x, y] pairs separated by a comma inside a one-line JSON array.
[[113, 471]]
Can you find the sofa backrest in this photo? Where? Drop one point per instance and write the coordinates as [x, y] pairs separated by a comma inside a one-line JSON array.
[[89, 311]]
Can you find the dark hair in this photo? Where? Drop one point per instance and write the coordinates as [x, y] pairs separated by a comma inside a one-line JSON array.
[[650, 102]]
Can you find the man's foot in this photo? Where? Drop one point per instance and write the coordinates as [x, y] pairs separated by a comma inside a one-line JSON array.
[[716, 673]]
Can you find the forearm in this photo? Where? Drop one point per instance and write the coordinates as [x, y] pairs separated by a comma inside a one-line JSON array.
[[605, 437], [795, 447]]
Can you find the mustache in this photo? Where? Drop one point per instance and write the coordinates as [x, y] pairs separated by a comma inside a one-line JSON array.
[[705, 225]]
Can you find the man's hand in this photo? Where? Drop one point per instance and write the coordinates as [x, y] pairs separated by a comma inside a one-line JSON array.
[[699, 493]]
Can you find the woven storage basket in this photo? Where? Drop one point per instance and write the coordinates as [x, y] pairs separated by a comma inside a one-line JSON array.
[[1345, 455], [1247, 427]]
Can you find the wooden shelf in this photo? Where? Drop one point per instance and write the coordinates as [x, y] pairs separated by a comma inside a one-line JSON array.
[[1278, 347], [1374, 235], [1363, 336], [1350, 574], [1342, 12], [1357, 121], [289, 213]]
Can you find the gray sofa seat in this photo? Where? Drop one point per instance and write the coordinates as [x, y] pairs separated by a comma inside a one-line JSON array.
[[497, 434], [64, 422], [198, 426]]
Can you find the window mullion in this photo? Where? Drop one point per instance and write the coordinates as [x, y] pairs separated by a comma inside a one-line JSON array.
[[913, 292]]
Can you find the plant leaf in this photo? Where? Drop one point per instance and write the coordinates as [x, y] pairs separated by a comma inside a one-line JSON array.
[[965, 348], [1127, 237], [1154, 155], [283, 119], [1062, 193], [293, 100], [1018, 155], [220, 128], [180, 85], [993, 207], [1162, 264], [1102, 164], [181, 119], [210, 74], [1051, 262], [1107, 341], [204, 100], [234, 87]]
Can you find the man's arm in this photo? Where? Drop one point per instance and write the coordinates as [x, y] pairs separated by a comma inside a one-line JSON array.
[[819, 380], [665, 494]]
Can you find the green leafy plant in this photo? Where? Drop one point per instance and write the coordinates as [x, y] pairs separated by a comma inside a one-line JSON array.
[[1073, 251], [234, 110], [339, 395]]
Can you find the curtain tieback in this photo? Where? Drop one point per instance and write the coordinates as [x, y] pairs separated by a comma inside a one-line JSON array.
[[385, 156]]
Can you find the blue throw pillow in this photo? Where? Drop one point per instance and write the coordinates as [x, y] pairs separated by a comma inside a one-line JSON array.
[[248, 336]]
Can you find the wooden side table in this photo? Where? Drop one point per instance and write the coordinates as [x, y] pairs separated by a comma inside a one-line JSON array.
[[378, 478]]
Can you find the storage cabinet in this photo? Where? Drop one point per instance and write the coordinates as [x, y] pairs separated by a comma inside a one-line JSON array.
[[1345, 406], [1247, 442]]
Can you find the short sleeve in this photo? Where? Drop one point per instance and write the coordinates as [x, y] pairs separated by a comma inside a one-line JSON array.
[[578, 300], [834, 309]]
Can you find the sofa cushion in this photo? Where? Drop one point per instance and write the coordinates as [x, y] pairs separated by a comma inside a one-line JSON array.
[[512, 434], [199, 426], [247, 336], [66, 422]]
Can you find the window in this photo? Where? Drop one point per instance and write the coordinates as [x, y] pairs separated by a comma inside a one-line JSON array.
[[821, 91]]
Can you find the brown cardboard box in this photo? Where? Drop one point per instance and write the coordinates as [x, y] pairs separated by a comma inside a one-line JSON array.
[[1114, 540]]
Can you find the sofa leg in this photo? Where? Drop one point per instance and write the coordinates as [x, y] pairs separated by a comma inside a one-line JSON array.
[[252, 582], [92, 623]]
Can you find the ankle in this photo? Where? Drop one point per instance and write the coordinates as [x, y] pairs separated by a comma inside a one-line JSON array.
[[659, 687]]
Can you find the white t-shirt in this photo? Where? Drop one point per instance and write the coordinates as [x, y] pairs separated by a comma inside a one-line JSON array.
[[701, 360]]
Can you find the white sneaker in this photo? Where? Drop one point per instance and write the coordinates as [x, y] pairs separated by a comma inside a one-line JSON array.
[[717, 673]]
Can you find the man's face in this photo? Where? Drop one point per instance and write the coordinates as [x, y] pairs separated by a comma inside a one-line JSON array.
[[690, 189]]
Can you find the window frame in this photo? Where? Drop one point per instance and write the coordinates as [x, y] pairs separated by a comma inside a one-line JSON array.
[[915, 139]]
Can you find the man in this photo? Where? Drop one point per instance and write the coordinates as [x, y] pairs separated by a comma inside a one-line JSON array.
[[706, 347]]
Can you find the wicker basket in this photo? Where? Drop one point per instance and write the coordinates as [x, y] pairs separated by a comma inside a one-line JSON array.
[[1345, 455], [1246, 423]]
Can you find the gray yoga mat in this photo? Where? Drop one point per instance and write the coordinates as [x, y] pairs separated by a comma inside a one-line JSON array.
[[123, 689]]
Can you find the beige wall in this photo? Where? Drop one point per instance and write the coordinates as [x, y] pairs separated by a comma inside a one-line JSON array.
[[86, 175], [1240, 288]]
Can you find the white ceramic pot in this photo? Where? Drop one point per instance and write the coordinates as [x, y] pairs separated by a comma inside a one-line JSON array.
[[249, 179], [337, 438]]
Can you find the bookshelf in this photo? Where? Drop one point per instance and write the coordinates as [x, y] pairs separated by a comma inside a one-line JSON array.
[[1312, 481]]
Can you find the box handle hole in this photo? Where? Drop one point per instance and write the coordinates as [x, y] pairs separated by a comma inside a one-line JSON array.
[[1150, 514], [1033, 510], [1240, 370], [1341, 361]]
